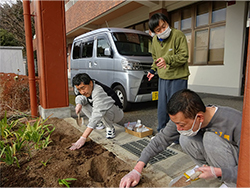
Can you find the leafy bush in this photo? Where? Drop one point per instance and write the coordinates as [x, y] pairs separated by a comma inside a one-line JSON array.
[[15, 136]]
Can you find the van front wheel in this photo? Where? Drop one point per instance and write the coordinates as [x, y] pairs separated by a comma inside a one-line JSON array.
[[120, 92]]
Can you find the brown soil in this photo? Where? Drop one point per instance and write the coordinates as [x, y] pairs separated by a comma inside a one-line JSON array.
[[15, 94], [92, 165]]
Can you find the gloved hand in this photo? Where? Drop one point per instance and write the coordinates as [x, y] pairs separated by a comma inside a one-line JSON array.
[[208, 172], [78, 108], [80, 142], [131, 179]]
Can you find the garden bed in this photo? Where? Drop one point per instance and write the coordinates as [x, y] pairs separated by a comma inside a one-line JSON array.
[[91, 166]]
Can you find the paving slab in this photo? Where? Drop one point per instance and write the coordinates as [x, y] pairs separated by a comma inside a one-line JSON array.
[[161, 172]]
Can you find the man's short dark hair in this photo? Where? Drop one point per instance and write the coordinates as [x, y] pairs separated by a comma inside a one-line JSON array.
[[81, 78], [186, 101], [154, 21]]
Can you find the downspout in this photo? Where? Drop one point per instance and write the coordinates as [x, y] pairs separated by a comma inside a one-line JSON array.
[[243, 178], [30, 57]]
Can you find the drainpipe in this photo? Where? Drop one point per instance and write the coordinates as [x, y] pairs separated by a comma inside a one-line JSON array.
[[243, 178], [30, 57]]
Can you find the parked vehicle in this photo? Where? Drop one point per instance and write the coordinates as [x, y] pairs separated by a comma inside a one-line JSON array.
[[119, 58]]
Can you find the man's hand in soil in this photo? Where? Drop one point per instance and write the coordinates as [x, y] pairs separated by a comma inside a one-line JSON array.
[[78, 144], [131, 179]]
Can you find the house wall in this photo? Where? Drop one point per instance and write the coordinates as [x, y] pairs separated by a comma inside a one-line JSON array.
[[12, 60], [133, 17], [225, 79], [218, 79]]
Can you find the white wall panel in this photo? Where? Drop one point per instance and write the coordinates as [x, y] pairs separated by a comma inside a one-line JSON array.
[[225, 79], [11, 59]]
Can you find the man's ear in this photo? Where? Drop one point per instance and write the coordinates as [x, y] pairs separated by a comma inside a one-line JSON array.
[[91, 84], [200, 116]]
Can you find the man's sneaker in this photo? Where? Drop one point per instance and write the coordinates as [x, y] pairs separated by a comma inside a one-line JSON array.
[[99, 125], [110, 133]]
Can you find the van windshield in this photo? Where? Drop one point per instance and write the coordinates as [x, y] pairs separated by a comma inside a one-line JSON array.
[[132, 44]]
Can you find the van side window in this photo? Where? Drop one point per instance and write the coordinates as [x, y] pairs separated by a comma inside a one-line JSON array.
[[76, 50], [87, 49], [102, 43]]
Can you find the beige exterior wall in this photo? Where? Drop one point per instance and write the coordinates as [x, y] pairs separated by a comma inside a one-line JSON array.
[[218, 79]]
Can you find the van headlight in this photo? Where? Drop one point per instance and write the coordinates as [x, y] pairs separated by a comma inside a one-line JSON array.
[[131, 65]]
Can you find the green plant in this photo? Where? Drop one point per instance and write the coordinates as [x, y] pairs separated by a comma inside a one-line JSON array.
[[6, 129], [45, 163], [13, 141], [18, 142], [10, 155], [65, 181], [38, 133]]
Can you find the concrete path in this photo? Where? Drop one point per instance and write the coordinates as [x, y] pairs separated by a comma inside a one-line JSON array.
[[161, 172], [164, 171]]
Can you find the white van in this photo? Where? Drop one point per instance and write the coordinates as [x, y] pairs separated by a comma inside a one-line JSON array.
[[119, 58]]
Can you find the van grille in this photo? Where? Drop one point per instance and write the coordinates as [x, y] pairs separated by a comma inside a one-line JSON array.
[[145, 66], [147, 87]]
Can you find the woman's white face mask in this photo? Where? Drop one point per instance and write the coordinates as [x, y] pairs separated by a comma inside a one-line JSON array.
[[190, 132], [165, 34]]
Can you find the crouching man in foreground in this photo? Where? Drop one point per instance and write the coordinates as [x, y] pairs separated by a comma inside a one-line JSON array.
[[99, 103], [210, 135]]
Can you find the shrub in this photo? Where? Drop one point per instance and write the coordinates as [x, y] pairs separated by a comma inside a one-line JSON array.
[[14, 93]]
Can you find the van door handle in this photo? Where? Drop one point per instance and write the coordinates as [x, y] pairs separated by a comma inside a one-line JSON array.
[[90, 64], [95, 63]]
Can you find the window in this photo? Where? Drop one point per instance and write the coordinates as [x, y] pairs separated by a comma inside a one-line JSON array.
[[132, 43], [219, 11], [186, 19], [102, 43], [175, 20], [216, 44], [204, 27], [200, 47], [142, 26], [202, 17], [188, 37], [76, 50], [87, 49]]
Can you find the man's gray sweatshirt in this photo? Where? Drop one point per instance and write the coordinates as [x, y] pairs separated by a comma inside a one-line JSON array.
[[226, 123], [101, 99]]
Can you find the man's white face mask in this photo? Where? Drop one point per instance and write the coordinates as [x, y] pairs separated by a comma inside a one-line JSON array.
[[190, 132], [165, 34]]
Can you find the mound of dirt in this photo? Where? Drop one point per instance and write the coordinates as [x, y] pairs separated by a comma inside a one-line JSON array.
[[92, 165]]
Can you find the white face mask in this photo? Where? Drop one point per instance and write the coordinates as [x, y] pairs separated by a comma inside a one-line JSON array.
[[190, 132], [165, 34]]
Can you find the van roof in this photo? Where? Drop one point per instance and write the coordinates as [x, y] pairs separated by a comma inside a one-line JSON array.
[[112, 29]]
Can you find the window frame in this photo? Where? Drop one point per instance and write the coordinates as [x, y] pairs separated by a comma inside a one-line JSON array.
[[105, 37], [194, 29], [83, 44]]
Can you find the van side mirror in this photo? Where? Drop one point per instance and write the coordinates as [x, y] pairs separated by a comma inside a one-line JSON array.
[[107, 52]]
